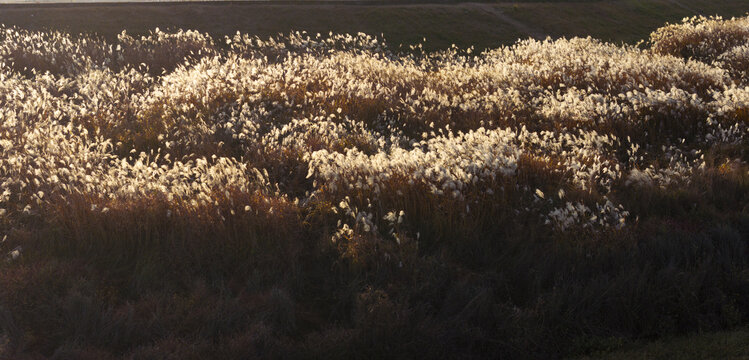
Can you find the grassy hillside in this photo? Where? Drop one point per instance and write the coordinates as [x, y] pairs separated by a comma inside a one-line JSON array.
[[481, 25], [180, 196], [626, 20]]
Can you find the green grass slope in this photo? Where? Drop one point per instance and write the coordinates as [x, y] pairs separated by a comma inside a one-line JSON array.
[[484, 25]]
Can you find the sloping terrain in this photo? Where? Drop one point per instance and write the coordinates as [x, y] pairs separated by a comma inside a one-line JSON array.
[[483, 25]]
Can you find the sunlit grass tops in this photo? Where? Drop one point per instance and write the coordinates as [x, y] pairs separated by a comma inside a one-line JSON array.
[[556, 132]]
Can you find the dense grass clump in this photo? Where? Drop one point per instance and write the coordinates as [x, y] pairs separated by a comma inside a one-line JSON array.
[[172, 196]]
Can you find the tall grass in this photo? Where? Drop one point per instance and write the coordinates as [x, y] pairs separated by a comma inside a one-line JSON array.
[[172, 196]]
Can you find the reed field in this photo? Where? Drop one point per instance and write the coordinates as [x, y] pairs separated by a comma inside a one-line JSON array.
[[179, 195]]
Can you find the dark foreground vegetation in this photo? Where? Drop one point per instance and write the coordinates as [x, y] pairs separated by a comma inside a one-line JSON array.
[[175, 196]]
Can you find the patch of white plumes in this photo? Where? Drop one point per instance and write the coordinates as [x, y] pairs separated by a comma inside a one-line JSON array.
[[446, 164], [59, 160], [579, 215]]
